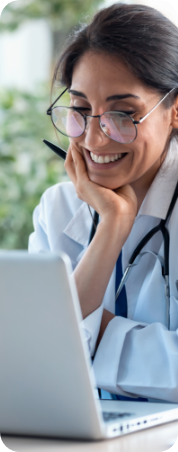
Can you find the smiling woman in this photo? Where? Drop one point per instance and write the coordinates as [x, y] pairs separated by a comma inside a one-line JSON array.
[[121, 72]]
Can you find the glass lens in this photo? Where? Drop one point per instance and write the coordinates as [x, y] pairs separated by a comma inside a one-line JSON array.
[[67, 121], [118, 126]]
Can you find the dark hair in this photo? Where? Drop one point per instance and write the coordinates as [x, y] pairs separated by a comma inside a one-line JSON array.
[[143, 37]]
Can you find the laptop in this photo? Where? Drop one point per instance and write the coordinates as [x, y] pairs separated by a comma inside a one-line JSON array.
[[47, 386]]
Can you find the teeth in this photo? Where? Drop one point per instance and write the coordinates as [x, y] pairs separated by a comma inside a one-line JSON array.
[[100, 159], [105, 159], [95, 158]]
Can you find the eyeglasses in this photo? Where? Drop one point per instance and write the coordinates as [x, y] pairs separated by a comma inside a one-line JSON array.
[[117, 125]]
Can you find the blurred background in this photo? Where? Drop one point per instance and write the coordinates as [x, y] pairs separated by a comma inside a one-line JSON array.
[[32, 34]]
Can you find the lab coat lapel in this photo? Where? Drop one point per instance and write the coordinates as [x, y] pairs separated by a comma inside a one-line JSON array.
[[159, 195], [79, 226]]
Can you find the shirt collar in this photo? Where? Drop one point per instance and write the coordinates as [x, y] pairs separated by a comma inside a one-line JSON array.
[[78, 228], [159, 195]]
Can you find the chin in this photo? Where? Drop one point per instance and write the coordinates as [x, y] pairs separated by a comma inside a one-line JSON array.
[[105, 182]]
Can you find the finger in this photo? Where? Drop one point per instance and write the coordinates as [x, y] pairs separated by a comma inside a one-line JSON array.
[[80, 167], [86, 190], [82, 179], [70, 166]]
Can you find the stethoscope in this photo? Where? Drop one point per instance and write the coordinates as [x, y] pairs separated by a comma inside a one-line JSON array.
[[138, 253]]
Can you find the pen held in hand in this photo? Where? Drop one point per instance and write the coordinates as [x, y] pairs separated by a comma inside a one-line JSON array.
[[60, 152]]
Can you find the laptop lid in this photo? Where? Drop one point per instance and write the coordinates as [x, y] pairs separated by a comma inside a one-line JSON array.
[[45, 382]]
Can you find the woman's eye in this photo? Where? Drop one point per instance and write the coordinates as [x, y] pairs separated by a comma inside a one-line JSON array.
[[126, 112], [82, 109]]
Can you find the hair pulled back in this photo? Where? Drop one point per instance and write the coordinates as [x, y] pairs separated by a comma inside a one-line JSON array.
[[143, 37]]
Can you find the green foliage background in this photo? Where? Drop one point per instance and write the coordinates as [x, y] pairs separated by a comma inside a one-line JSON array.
[[27, 166]]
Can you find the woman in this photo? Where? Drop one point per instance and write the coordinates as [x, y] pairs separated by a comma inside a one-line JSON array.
[[124, 62]]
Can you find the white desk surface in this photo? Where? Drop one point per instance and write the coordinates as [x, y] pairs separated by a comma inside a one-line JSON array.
[[156, 439]]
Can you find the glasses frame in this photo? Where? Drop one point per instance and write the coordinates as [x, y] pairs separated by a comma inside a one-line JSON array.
[[49, 112]]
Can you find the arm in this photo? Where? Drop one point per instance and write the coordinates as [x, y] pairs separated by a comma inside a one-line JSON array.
[[139, 360], [117, 210]]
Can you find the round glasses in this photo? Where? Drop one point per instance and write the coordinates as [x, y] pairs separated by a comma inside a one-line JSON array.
[[117, 125]]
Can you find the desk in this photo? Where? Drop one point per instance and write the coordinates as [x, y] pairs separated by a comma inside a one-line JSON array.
[[156, 439]]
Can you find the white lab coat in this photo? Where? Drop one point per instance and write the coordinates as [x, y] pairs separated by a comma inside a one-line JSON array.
[[137, 356]]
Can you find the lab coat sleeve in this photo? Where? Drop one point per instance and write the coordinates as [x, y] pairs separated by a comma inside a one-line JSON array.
[[92, 323], [38, 240], [138, 360], [91, 327]]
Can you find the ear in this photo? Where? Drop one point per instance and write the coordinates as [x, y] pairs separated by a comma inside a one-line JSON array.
[[175, 114]]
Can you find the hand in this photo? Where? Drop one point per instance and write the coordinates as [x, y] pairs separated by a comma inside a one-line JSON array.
[[121, 202]]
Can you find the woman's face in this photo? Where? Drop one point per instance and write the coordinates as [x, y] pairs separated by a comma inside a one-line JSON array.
[[97, 81]]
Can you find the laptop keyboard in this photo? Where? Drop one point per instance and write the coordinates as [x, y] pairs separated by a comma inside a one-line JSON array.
[[111, 416]]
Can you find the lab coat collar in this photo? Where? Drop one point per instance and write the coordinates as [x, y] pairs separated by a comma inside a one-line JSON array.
[[156, 202], [79, 226], [159, 195]]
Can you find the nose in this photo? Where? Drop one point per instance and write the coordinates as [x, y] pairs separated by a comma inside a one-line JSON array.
[[94, 136]]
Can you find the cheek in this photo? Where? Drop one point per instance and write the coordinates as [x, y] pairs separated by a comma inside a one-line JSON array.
[[151, 141], [155, 131], [76, 142]]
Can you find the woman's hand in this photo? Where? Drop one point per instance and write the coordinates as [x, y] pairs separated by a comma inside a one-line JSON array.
[[108, 203]]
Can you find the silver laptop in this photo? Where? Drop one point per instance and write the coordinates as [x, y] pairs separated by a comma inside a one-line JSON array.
[[47, 387]]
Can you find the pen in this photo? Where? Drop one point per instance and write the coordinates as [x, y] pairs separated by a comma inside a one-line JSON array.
[[56, 149]]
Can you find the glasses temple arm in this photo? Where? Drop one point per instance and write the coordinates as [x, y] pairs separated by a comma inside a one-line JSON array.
[[49, 109], [146, 116]]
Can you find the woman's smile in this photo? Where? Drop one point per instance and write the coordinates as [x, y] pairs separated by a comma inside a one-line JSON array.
[[102, 161]]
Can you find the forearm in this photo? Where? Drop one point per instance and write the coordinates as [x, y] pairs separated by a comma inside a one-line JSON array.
[[106, 318], [94, 270]]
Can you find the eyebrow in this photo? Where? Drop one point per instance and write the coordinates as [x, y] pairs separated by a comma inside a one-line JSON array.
[[114, 97]]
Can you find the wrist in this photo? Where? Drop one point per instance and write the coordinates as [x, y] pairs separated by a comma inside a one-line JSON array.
[[116, 226]]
